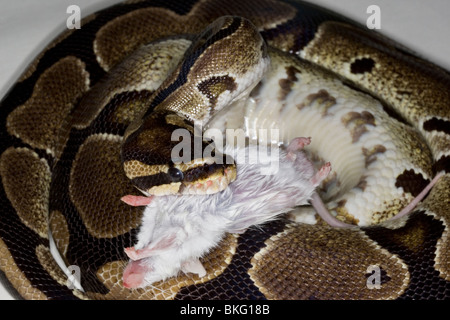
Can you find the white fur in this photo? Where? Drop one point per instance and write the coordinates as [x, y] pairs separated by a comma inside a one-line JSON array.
[[199, 222]]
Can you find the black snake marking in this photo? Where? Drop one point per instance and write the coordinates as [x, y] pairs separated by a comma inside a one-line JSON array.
[[278, 230]]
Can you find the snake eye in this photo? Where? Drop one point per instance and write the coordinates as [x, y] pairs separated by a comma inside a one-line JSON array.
[[175, 174]]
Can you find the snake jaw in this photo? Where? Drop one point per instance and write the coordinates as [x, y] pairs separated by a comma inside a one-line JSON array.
[[213, 184]]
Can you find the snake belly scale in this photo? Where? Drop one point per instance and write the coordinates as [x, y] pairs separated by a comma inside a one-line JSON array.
[[66, 118]]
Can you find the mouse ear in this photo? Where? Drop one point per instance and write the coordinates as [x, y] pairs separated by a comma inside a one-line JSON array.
[[152, 249], [193, 266]]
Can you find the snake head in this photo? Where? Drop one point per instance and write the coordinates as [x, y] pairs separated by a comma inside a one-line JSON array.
[[202, 84], [162, 156]]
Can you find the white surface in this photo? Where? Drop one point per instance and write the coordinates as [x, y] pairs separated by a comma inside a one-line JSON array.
[[27, 25]]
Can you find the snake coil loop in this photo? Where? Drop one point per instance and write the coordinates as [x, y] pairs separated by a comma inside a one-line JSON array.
[[106, 98]]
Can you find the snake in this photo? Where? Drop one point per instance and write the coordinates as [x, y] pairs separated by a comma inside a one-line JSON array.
[[376, 111]]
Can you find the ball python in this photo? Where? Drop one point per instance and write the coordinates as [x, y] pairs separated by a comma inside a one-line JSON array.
[[62, 177]]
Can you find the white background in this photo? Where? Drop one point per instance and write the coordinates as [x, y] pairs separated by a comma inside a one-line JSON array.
[[26, 26]]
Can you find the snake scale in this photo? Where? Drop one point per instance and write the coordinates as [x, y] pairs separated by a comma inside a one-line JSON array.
[[61, 170]]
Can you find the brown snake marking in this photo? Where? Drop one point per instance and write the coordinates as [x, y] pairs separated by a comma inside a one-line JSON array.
[[48, 171]]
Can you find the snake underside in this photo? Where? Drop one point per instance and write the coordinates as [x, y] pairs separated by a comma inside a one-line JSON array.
[[62, 175]]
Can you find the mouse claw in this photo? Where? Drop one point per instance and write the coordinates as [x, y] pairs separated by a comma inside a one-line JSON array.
[[138, 254], [132, 253], [298, 144], [321, 174], [165, 243]]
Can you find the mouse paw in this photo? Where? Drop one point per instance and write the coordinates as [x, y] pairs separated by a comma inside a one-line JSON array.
[[138, 254], [132, 253], [321, 174], [155, 248], [193, 266], [298, 143], [295, 145], [134, 274]]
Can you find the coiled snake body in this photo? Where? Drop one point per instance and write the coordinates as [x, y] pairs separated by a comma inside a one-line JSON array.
[[64, 122]]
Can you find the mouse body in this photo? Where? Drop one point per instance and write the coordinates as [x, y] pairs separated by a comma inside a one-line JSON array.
[[178, 230]]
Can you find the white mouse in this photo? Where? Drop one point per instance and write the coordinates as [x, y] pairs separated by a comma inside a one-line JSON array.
[[177, 230]]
